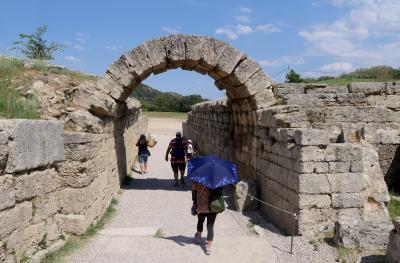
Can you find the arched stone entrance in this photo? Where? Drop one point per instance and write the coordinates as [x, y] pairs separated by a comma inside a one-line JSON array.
[[231, 69]]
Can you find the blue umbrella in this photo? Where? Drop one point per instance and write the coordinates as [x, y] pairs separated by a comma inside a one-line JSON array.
[[212, 172]]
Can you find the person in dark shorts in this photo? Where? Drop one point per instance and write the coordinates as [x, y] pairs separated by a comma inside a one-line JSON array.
[[143, 152], [177, 148]]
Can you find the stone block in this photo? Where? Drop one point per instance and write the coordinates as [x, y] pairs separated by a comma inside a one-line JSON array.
[[227, 62], [76, 200], [339, 167], [389, 101], [84, 121], [255, 84], [348, 200], [71, 137], [242, 201], [88, 96], [347, 182], [283, 89], [343, 152], [175, 49], [351, 99], [122, 72], [211, 51], [15, 218], [244, 71], [52, 230], [368, 88], [139, 61], [33, 144], [315, 201], [313, 184], [308, 153], [390, 137], [194, 46], [311, 137], [356, 167], [157, 54], [76, 174], [7, 193], [36, 183], [312, 167], [73, 224], [262, 100], [313, 100], [44, 207], [335, 89]]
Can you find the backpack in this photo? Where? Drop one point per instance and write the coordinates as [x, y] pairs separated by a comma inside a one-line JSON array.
[[178, 151]]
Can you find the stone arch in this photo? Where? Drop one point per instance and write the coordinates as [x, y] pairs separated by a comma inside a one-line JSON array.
[[241, 76]]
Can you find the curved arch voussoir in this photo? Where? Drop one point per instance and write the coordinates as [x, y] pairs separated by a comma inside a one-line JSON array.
[[231, 69]]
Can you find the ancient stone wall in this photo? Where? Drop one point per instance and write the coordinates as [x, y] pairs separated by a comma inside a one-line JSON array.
[[317, 155], [55, 182], [30, 152]]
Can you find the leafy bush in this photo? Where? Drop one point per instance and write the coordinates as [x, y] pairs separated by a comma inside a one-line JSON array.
[[35, 46]]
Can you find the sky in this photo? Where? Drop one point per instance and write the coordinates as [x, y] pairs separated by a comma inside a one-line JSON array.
[[315, 37]]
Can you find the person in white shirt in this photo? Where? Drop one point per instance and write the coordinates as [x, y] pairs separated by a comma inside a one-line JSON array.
[[190, 150]]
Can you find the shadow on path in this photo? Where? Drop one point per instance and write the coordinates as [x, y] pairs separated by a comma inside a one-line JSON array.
[[155, 184], [374, 259]]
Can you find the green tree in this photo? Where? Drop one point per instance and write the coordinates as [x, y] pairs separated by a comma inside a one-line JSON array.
[[293, 77], [34, 46]]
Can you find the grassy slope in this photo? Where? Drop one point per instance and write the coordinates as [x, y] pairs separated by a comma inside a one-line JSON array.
[[13, 74]]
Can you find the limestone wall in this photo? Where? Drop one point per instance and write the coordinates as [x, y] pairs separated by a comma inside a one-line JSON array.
[[54, 182], [96, 165], [30, 152], [318, 155]]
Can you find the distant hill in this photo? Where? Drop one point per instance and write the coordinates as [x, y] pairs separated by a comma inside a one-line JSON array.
[[377, 73], [155, 100]]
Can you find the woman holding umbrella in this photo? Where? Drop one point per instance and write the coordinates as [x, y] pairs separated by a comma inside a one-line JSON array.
[[209, 174]]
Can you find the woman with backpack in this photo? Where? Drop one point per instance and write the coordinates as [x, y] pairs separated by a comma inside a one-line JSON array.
[[202, 199], [177, 148], [143, 152]]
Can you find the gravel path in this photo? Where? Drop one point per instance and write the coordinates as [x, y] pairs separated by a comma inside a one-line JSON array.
[[151, 202]]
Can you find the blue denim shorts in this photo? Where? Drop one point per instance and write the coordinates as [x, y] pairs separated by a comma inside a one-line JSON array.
[[143, 158]]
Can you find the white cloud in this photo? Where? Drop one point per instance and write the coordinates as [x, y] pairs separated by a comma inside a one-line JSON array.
[[81, 37], [242, 19], [114, 48], [230, 33], [80, 34], [78, 47], [368, 33], [233, 32], [171, 30], [244, 9], [243, 29], [337, 67], [268, 28], [285, 60], [72, 59]]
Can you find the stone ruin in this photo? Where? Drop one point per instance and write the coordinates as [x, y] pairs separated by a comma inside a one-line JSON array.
[[323, 154], [320, 152]]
